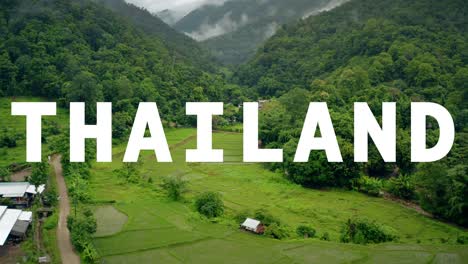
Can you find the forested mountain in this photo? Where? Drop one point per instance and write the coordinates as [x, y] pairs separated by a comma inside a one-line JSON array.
[[80, 51], [234, 30], [370, 51], [167, 16], [182, 46]]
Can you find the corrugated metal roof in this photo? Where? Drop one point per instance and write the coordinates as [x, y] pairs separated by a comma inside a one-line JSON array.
[[13, 189], [20, 228], [25, 216], [2, 210], [18, 189], [8, 220], [251, 223], [32, 189]]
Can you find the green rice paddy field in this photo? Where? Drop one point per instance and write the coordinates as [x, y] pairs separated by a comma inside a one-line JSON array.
[[138, 224]]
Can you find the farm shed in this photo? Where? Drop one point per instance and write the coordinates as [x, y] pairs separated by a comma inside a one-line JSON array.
[[13, 222], [19, 193], [253, 226]]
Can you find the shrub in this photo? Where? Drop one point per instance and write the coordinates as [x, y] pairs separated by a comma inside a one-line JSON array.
[[81, 229], [209, 204], [129, 172], [368, 185], [6, 201], [305, 231], [462, 239], [51, 222], [4, 174], [401, 187], [8, 140], [241, 216], [174, 186], [325, 237], [362, 231], [49, 197], [276, 231], [266, 218], [90, 254]]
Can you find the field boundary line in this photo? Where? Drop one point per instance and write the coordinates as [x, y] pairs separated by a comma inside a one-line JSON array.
[[173, 245], [133, 230]]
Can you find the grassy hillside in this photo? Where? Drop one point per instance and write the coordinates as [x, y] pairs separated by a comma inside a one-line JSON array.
[[159, 228]]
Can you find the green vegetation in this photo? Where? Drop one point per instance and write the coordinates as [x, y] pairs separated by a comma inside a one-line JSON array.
[[367, 50], [402, 187], [370, 51], [14, 158], [181, 47], [109, 220], [368, 185], [160, 228], [305, 231], [49, 226], [40, 173], [361, 231], [81, 229], [234, 30], [209, 204], [81, 51], [175, 186]]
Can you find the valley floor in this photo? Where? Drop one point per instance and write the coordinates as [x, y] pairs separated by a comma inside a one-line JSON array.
[[138, 224]]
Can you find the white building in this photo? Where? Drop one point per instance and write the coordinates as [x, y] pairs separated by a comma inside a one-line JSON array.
[[253, 226], [20, 193], [13, 222]]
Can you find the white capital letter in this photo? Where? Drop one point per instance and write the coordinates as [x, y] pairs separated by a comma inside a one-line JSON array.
[[33, 113], [384, 138], [318, 115], [251, 151], [102, 132], [147, 115], [419, 112], [204, 151]]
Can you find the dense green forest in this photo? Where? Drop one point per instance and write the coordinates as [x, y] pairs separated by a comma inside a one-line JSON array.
[[80, 51], [364, 51], [370, 51], [234, 30], [182, 46]]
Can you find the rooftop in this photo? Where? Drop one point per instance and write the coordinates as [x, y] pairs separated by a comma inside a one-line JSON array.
[[13, 220], [7, 222], [251, 223], [18, 189]]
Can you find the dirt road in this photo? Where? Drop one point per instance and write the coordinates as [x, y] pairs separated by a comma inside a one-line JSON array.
[[68, 255]]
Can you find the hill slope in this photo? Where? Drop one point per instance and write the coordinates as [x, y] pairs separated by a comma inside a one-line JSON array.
[[180, 44], [234, 30], [371, 51], [81, 51]]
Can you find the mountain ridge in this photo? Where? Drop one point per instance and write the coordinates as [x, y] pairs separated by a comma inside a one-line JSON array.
[[233, 31]]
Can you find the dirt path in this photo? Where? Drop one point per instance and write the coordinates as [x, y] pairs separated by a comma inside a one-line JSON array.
[[407, 204], [68, 255], [20, 175]]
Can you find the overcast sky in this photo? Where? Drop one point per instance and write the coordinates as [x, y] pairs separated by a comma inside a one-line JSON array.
[[182, 7]]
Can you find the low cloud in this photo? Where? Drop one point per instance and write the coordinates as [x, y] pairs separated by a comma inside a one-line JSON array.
[[271, 30], [221, 27], [180, 8], [329, 6]]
